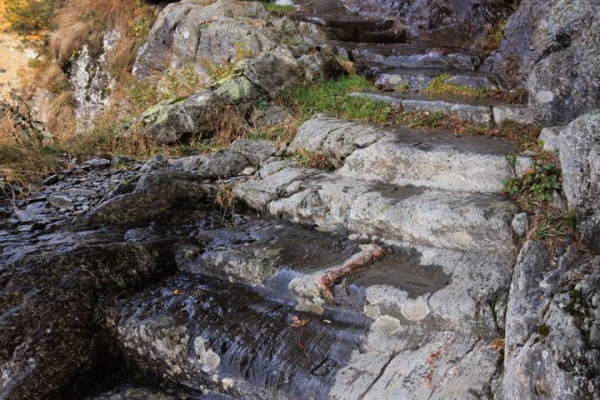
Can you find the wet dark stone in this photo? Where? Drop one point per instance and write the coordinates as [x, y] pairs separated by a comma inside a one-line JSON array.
[[167, 196], [173, 327], [51, 302]]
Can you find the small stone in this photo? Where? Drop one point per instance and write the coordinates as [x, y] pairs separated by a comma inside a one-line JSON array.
[[98, 163], [80, 192], [51, 180], [61, 202], [248, 171], [520, 223]]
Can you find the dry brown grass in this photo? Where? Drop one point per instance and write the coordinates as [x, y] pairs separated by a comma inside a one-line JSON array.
[[85, 21], [228, 123]]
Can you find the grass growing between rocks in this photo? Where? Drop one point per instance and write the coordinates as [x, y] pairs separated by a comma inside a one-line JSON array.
[[23, 155], [440, 86], [311, 160], [536, 192], [333, 97], [278, 8]]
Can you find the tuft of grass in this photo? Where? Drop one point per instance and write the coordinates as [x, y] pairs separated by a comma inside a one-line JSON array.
[[493, 36], [312, 160], [440, 86], [277, 8], [224, 198], [332, 97], [20, 165]]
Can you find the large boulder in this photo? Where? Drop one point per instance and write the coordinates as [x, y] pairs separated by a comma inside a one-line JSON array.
[[579, 150], [179, 33], [178, 119], [552, 333], [165, 196], [551, 48], [51, 303], [213, 37]]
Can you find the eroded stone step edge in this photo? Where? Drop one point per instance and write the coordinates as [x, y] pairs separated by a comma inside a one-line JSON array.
[[472, 222], [400, 155], [332, 276], [483, 114], [213, 335]]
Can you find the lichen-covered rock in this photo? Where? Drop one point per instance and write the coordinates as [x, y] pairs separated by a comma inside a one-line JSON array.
[[214, 37], [550, 345], [552, 48], [91, 82], [177, 35], [179, 119], [579, 151]]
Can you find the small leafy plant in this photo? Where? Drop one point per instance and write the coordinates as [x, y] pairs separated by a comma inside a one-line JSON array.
[[537, 185]]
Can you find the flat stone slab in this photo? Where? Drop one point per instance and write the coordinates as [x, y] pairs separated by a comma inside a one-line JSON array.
[[287, 262], [216, 335], [402, 156], [465, 221]]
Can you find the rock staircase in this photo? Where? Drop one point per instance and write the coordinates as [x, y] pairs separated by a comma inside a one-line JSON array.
[[386, 278]]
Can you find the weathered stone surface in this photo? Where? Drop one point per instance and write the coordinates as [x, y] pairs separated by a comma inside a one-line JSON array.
[[521, 115], [452, 220], [472, 113], [321, 66], [269, 116], [549, 345], [160, 196], [333, 138], [550, 138], [520, 224], [526, 301], [178, 35], [91, 82], [552, 48], [256, 151], [273, 73], [579, 151], [433, 160], [201, 344]]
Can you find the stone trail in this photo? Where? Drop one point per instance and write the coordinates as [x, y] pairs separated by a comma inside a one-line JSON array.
[[249, 315], [387, 277]]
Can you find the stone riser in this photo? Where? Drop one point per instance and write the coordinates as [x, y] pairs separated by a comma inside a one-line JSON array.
[[478, 114]]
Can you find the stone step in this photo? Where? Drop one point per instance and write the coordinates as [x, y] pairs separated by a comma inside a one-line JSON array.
[[418, 216], [331, 276], [341, 25], [483, 112], [416, 79], [214, 335], [401, 156], [371, 58]]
